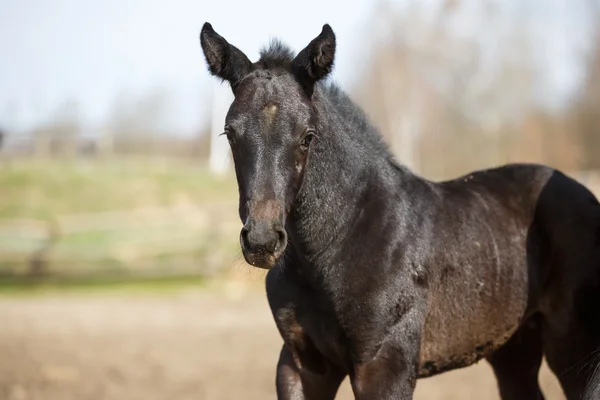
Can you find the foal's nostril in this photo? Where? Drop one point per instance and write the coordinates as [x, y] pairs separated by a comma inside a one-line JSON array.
[[281, 239], [244, 237]]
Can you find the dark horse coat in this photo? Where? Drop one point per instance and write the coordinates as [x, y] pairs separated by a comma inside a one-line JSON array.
[[387, 277]]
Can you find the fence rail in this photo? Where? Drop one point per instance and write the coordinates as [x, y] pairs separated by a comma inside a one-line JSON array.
[[153, 240], [159, 238]]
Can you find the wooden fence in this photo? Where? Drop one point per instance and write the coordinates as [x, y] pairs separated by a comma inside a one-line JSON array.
[[148, 241], [164, 241]]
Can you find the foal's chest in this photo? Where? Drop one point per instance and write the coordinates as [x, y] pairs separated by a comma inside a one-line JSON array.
[[314, 337]]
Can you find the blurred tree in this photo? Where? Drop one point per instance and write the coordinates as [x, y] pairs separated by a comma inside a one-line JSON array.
[[61, 134], [136, 123], [586, 108], [463, 98], [67, 128]]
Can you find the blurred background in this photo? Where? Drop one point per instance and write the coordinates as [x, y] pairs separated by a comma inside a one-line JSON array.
[[120, 270]]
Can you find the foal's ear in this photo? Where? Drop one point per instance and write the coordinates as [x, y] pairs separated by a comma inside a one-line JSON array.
[[315, 61], [223, 59]]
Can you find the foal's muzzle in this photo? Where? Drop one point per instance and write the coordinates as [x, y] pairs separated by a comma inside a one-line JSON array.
[[263, 242]]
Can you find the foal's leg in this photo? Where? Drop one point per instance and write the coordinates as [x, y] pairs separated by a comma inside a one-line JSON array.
[[294, 384], [517, 364], [389, 377], [572, 357], [392, 373]]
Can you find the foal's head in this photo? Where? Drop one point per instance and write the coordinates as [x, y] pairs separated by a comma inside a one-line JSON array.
[[270, 125]]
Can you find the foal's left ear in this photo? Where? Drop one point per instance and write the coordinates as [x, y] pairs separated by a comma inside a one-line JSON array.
[[223, 59], [315, 61]]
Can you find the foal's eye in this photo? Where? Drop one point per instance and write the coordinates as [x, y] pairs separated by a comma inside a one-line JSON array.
[[308, 137], [229, 133]]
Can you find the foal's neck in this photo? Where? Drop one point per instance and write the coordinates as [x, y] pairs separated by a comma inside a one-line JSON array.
[[348, 168]]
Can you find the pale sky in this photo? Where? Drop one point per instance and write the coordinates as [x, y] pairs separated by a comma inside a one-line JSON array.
[[90, 51]]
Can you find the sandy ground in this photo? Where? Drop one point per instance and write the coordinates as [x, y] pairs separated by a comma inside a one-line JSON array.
[[191, 345]]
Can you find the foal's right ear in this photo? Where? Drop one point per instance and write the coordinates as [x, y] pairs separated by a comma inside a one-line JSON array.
[[223, 59]]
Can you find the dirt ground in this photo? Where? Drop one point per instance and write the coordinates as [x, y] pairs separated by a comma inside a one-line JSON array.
[[199, 344]]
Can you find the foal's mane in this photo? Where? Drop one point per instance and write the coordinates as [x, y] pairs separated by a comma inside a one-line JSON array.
[[277, 55]]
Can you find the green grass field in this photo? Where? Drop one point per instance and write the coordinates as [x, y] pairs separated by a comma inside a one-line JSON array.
[[107, 192], [42, 189]]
